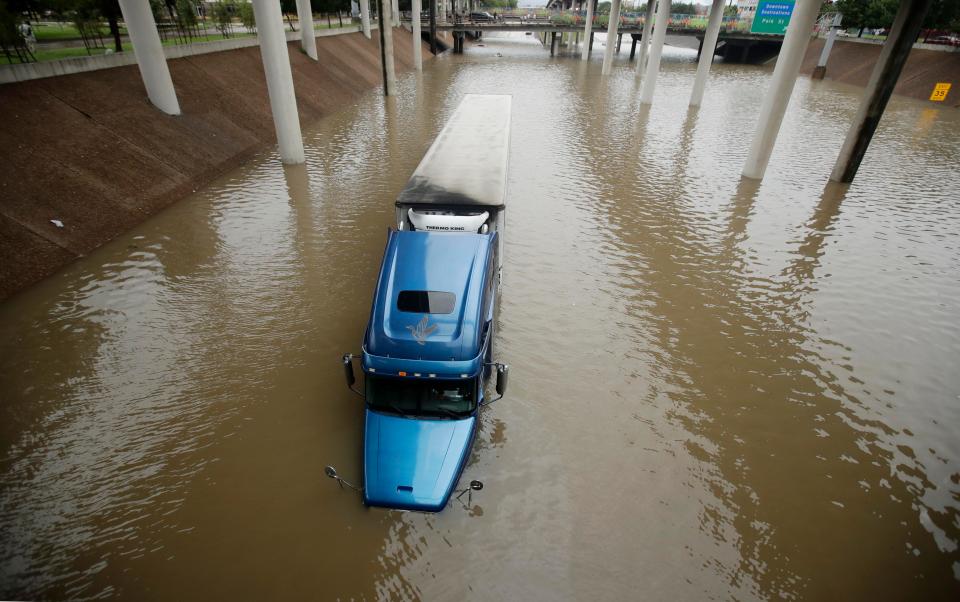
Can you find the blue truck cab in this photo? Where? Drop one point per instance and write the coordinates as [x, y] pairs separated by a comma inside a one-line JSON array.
[[428, 347]]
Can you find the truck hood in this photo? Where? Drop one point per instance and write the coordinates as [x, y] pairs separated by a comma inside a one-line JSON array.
[[413, 463]]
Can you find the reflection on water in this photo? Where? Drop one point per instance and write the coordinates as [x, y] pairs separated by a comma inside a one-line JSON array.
[[722, 388]]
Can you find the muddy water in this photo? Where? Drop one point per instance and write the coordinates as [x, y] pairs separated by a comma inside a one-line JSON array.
[[721, 388]]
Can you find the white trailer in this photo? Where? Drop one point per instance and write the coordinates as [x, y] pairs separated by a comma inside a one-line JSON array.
[[461, 183]]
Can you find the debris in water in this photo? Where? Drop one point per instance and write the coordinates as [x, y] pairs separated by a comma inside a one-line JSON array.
[[56, 223]]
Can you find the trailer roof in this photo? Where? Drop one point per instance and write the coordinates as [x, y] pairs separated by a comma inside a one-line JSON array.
[[467, 163]]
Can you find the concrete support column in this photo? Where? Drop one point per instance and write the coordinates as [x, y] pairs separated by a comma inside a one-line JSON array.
[[308, 39], [365, 17], [415, 25], [588, 32], [709, 45], [395, 12], [611, 36], [276, 68], [906, 27], [386, 49], [656, 51], [821, 69], [781, 86], [433, 26], [645, 39], [142, 30]]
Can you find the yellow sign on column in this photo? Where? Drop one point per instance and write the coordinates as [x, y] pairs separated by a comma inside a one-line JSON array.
[[940, 92]]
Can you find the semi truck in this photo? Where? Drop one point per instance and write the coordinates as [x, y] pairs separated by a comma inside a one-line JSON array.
[[428, 349]]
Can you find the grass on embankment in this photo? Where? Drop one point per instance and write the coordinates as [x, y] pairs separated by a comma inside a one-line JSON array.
[[47, 32], [65, 53]]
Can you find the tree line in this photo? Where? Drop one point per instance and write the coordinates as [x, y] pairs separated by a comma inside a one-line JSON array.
[[879, 14], [181, 19]]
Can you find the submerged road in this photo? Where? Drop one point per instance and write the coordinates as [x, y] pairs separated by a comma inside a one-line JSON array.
[[719, 388]]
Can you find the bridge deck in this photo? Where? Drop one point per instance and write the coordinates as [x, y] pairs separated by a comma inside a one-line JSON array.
[[541, 26]]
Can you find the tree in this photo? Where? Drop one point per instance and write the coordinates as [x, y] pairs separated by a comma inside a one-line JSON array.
[[11, 38], [111, 10], [867, 13], [223, 16], [287, 7], [328, 6], [683, 8], [854, 12], [943, 14], [245, 12], [187, 12], [87, 20]]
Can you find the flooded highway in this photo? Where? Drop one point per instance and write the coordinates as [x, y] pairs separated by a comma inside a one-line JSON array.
[[721, 388]]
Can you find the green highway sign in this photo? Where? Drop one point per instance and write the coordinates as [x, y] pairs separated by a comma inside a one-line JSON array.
[[772, 17]]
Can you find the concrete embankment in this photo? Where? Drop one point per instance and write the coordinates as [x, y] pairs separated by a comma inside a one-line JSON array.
[[90, 151], [852, 63]]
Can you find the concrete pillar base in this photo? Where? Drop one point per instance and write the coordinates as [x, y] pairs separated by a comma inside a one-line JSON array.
[[587, 32], [365, 17], [645, 37], [886, 72], [659, 34], [819, 72], [612, 34], [386, 49], [308, 39], [151, 61], [415, 30], [777, 96], [276, 68], [708, 41]]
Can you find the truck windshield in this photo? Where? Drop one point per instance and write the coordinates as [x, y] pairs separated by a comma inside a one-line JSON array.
[[421, 397]]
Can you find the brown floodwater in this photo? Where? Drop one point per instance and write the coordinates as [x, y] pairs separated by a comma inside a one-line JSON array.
[[721, 389]]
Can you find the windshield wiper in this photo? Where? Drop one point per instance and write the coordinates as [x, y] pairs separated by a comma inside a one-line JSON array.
[[397, 409], [449, 412]]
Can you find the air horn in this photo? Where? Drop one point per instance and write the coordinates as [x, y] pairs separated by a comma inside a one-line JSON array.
[[475, 485], [332, 473]]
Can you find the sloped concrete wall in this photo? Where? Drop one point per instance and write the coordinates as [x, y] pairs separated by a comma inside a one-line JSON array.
[[90, 150], [852, 63]]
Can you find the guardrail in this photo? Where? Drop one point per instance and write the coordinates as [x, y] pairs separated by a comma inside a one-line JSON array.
[[677, 21]]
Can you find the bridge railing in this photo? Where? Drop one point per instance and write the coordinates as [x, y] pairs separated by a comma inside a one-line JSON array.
[[627, 19]]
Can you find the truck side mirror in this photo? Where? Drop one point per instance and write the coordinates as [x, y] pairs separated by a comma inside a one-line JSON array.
[[503, 372], [348, 370]]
